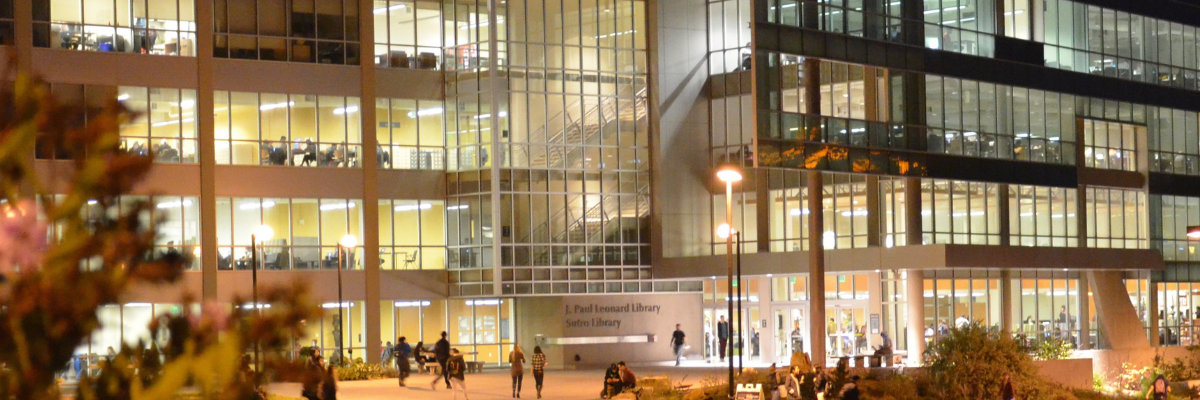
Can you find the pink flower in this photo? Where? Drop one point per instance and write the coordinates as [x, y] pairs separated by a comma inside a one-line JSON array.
[[22, 237]]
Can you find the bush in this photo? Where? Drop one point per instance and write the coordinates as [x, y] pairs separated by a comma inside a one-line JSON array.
[[358, 371], [972, 361], [1053, 348]]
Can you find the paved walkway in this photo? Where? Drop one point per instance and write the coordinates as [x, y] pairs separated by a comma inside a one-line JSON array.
[[494, 384]]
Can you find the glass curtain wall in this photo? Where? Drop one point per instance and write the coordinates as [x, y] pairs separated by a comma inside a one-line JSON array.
[[306, 232], [1042, 216], [956, 298], [958, 212], [287, 129], [178, 219], [412, 235], [7, 31], [1048, 307], [304, 31], [408, 34], [1116, 218], [165, 27], [164, 127], [409, 134]]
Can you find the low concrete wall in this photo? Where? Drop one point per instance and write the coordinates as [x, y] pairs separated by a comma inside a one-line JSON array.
[[1108, 363], [1075, 373]]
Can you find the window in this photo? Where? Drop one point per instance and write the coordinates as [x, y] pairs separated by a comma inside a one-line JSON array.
[[1042, 216], [307, 31], [306, 232], [164, 27], [408, 34], [1048, 306], [7, 32], [410, 134], [178, 218], [1116, 218], [791, 288], [957, 212], [1110, 145], [954, 298], [283, 129], [164, 126], [412, 234]]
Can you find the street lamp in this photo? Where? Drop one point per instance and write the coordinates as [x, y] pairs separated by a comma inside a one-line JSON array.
[[348, 243], [729, 174], [724, 232], [261, 234]]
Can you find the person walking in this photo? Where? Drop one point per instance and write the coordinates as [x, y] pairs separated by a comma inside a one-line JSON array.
[[722, 336], [1007, 392], [441, 353], [678, 339], [539, 368], [311, 379], [517, 358], [402, 352], [455, 369], [385, 353]]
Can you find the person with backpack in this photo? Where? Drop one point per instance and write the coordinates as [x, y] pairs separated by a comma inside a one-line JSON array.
[[456, 368], [441, 353]]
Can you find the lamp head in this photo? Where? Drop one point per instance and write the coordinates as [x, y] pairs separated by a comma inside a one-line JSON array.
[[264, 233], [349, 241], [724, 231], [729, 174], [1193, 232]]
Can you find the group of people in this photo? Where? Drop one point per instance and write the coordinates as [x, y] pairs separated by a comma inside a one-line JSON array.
[[618, 379], [161, 151], [790, 385], [452, 367], [281, 154]]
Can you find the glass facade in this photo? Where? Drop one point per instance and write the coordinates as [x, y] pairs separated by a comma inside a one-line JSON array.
[[408, 33], [412, 234], [409, 134], [305, 31], [163, 127], [319, 131], [165, 27], [306, 233]]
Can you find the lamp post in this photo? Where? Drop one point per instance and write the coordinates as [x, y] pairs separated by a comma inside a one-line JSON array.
[[724, 232], [348, 242], [261, 234], [729, 174]]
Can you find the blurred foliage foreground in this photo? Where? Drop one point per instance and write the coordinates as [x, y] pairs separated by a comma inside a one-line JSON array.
[[58, 267]]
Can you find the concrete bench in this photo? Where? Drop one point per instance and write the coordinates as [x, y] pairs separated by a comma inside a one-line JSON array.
[[475, 366]]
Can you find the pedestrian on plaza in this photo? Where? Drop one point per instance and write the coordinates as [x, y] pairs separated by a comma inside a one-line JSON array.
[[722, 336], [402, 351], [419, 356], [820, 380], [329, 383], [311, 379], [455, 369], [678, 339], [628, 379], [516, 357], [441, 353], [1007, 392], [850, 390], [539, 368]]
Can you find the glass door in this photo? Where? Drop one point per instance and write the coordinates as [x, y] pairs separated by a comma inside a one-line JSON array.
[[790, 329], [846, 330]]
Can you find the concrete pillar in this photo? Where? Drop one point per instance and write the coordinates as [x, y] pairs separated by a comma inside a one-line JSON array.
[[915, 293], [208, 149], [1085, 314], [874, 211], [816, 266], [762, 207], [23, 26], [1120, 323], [1006, 301], [1151, 313], [370, 198]]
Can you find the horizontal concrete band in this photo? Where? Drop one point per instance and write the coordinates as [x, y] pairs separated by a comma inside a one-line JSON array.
[[927, 257]]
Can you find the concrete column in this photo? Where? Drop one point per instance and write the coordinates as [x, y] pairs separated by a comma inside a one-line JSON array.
[[915, 293], [874, 212], [1006, 301], [208, 149], [23, 26], [762, 207], [871, 87], [1085, 314], [1152, 313], [912, 212], [812, 98], [370, 199], [816, 266]]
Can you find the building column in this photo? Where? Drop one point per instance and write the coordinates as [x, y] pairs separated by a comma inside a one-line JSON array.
[[1085, 314], [1004, 215], [1152, 312], [762, 207], [915, 292], [370, 197], [208, 149], [874, 210], [915, 282], [23, 27], [816, 266]]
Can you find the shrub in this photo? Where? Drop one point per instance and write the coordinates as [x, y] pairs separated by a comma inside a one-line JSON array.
[[358, 371], [1053, 348], [972, 361]]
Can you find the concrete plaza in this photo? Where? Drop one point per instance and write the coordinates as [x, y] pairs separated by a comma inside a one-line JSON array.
[[496, 383]]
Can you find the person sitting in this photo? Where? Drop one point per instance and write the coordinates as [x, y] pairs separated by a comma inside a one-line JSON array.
[[612, 382], [382, 157], [628, 379], [279, 154], [885, 348], [310, 153], [330, 158]]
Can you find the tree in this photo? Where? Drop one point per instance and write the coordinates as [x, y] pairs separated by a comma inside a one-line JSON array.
[[51, 285]]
